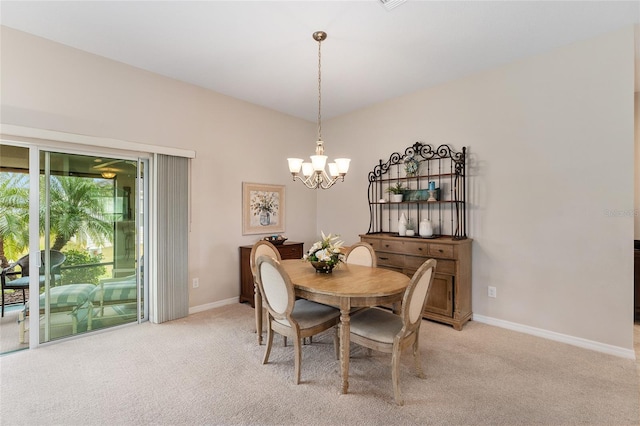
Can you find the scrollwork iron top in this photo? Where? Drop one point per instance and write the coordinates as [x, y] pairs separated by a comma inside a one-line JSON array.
[[421, 152]]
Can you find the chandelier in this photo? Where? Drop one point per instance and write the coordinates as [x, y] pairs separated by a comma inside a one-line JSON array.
[[314, 175]]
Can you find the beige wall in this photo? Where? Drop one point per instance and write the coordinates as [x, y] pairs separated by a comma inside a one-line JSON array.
[[51, 86], [637, 178], [551, 151], [551, 165]]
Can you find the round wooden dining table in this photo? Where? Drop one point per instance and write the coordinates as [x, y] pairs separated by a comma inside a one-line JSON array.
[[348, 286]]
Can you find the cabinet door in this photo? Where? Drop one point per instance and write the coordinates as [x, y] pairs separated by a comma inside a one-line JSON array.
[[246, 278], [440, 299]]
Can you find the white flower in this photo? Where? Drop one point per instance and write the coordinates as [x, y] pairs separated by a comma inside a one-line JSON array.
[[315, 247], [329, 250], [323, 255]]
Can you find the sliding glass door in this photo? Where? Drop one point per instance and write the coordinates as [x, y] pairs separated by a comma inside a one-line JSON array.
[[79, 256], [92, 243]]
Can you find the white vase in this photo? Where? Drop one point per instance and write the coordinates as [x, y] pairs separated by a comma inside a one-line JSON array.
[[426, 230], [396, 198], [402, 225]]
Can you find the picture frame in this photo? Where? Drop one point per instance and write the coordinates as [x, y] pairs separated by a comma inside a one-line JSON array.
[[263, 208]]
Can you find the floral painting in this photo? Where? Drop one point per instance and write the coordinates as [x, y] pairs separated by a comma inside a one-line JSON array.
[[262, 208]]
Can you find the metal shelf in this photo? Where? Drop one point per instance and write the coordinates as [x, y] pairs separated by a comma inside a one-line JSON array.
[[443, 166]]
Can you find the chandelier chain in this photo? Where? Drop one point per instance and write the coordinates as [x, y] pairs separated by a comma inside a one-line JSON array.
[[319, 91]]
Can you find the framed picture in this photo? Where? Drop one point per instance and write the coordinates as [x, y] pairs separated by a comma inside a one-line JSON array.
[[262, 208]]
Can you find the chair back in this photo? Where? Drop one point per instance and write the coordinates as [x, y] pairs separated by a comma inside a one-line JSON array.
[[56, 258], [362, 253], [262, 248], [23, 263], [276, 287], [415, 296]]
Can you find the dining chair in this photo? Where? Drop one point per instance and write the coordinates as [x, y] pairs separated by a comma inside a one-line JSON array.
[[21, 268], [361, 253], [260, 248], [287, 316], [384, 331]]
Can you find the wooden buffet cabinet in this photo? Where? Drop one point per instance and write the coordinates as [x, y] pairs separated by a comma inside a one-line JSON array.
[[449, 299], [434, 188], [287, 251]]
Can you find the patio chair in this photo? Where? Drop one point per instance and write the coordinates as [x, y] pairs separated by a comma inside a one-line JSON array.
[[22, 283], [69, 299], [111, 292]]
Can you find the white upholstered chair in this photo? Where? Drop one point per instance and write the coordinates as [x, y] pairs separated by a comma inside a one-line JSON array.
[[287, 316], [361, 254], [260, 248], [384, 331]]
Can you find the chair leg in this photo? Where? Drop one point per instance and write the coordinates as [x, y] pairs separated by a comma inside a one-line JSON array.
[[416, 357], [395, 373], [2, 303], [336, 343], [298, 358], [257, 303], [22, 327], [267, 351]]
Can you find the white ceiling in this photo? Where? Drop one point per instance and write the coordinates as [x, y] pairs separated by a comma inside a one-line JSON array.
[[262, 51]]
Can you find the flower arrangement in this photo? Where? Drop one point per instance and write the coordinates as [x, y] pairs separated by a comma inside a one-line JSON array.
[[325, 254], [411, 165], [264, 201]]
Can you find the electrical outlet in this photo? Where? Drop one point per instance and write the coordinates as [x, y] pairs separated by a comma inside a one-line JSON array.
[[196, 282], [492, 291]]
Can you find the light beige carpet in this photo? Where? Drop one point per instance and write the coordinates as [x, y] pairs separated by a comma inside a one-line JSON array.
[[206, 369], [9, 332]]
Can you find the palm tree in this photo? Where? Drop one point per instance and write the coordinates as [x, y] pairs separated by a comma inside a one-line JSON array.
[[76, 208], [75, 204], [14, 215]]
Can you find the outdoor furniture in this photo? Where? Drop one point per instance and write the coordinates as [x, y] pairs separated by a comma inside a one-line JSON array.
[[111, 291], [22, 283], [65, 298]]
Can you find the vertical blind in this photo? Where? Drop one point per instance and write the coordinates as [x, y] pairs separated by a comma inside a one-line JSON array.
[[172, 238]]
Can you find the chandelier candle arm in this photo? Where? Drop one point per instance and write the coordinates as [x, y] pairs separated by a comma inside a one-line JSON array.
[[314, 175]]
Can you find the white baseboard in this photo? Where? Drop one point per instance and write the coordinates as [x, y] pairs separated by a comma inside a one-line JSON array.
[[558, 337], [545, 334], [213, 305]]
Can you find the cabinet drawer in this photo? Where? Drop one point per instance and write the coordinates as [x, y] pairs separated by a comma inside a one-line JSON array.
[[390, 259], [290, 252], [414, 262], [446, 267], [390, 245], [443, 267], [417, 248], [375, 242], [440, 250]]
